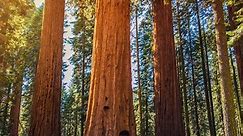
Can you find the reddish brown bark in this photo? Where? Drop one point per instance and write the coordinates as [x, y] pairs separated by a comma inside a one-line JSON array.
[[15, 109], [110, 108], [226, 85], [167, 96], [45, 114]]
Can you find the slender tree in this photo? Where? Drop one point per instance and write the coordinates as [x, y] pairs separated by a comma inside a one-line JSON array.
[[227, 95], [239, 58], [167, 95], [193, 80], [5, 114], [15, 108], [210, 97], [110, 107], [205, 79], [83, 82], [3, 64], [182, 61], [45, 114], [235, 85], [138, 73]]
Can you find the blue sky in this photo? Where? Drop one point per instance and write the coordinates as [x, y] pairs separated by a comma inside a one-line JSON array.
[[38, 2]]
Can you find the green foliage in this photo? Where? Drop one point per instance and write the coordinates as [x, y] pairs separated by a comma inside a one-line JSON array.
[[236, 34], [20, 25], [32, 34], [73, 117], [206, 16], [145, 29]]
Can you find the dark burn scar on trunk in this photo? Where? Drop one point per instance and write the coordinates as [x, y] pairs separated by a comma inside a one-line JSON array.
[[106, 108], [124, 133]]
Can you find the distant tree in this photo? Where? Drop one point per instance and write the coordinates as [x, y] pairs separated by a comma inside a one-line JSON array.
[[138, 70], [15, 109], [13, 48], [205, 76], [32, 34], [193, 80], [183, 67]]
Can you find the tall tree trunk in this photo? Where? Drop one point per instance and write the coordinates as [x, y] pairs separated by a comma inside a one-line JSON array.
[[205, 80], [167, 96], [83, 82], [146, 130], [15, 108], [182, 61], [235, 85], [224, 71], [236, 91], [3, 62], [218, 93], [3, 87], [239, 59], [238, 44], [45, 114], [138, 74], [110, 107], [76, 123], [6, 112], [193, 82], [2, 79], [210, 97]]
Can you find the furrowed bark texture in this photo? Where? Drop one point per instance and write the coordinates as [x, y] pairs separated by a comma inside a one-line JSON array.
[[167, 96], [45, 114], [110, 107], [226, 85]]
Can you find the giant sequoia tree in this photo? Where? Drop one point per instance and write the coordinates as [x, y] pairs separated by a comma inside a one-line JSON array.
[[167, 96], [45, 116], [110, 107], [224, 71]]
